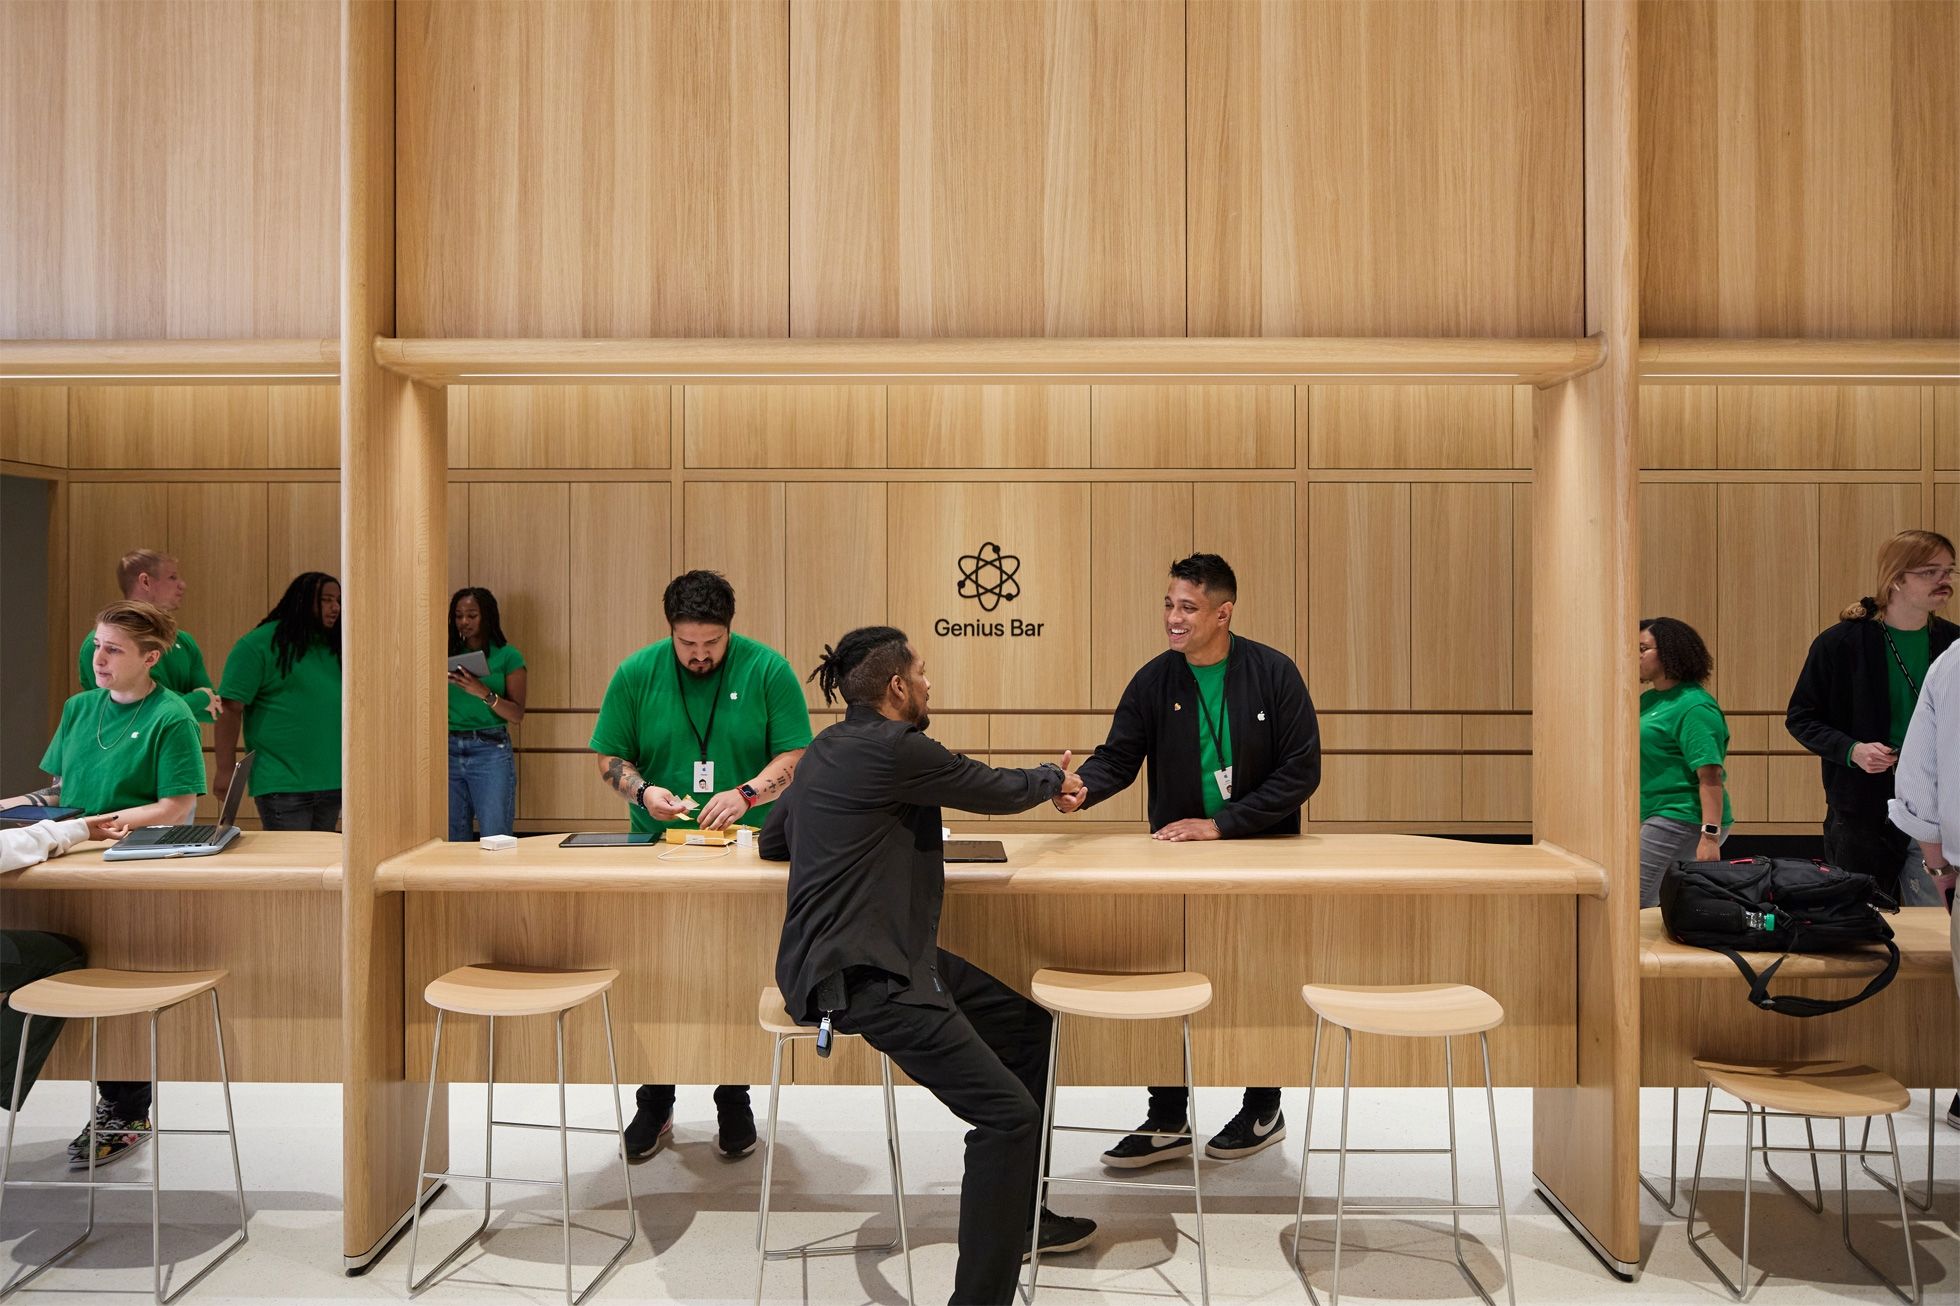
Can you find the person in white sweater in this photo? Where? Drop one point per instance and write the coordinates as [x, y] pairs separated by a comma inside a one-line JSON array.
[[1926, 792], [29, 955]]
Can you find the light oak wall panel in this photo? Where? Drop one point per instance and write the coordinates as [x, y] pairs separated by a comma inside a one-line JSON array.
[[986, 168], [989, 425], [836, 539], [1359, 626], [1799, 168], [1678, 426], [302, 426], [1411, 426], [170, 169], [603, 169], [520, 546], [1344, 180], [614, 609], [105, 521], [218, 533], [302, 521], [1854, 521], [1767, 536], [1460, 592], [1943, 403], [1253, 527], [559, 426], [139, 426], [1135, 532], [1845, 428], [785, 425], [34, 424], [737, 529], [1193, 426], [1680, 562]]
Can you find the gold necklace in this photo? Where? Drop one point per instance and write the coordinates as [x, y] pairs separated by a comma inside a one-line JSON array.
[[102, 704]]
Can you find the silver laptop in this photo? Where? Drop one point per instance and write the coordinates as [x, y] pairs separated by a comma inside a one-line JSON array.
[[187, 840]]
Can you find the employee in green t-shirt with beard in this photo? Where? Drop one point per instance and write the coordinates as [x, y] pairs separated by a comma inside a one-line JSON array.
[[1684, 750], [713, 718], [130, 750], [147, 576], [283, 676]]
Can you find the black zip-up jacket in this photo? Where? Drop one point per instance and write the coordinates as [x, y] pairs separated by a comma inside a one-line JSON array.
[[1275, 742], [1842, 698], [860, 829]]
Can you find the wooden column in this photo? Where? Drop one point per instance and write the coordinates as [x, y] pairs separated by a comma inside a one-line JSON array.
[[393, 484], [1585, 742]]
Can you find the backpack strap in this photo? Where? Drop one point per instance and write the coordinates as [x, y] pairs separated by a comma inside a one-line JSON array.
[[1793, 1005]]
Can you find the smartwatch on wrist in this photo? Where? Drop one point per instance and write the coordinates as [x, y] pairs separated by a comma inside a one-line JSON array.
[[1712, 831], [748, 793]]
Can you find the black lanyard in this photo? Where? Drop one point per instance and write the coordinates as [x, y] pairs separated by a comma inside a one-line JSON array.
[[1224, 707], [680, 686], [1911, 684]]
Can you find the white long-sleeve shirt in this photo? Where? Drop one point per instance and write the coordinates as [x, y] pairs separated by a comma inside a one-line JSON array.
[[1926, 788], [26, 845]]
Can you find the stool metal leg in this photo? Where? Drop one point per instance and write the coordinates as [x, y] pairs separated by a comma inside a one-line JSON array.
[[1737, 1288], [1673, 1155], [416, 1285], [1340, 1172], [1898, 1191], [564, 1156], [898, 1175], [1047, 1139], [1815, 1207], [1197, 1188], [20, 1066], [489, 1119], [619, 1126], [768, 1168], [1497, 1175], [1306, 1153], [1923, 1205]]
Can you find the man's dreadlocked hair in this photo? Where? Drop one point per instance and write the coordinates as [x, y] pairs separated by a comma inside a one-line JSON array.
[[296, 620], [862, 664]]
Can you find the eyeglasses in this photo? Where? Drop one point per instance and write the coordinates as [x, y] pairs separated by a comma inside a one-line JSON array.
[[1933, 573]]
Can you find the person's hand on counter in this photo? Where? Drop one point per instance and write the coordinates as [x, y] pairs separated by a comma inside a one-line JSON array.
[[1188, 831], [105, 826]]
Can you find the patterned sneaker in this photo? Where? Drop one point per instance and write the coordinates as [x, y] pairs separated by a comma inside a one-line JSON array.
[[1246, 1134], [1156, 1141], [114, 1137]]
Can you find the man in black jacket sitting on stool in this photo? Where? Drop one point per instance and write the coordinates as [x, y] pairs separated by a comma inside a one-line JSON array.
[[1233, 747], [860, 829]]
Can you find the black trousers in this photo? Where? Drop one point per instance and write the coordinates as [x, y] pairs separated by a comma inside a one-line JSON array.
[[986, 1059], [1171, 1106], [26, 956], [1867, 845], [659, 1098], [318, 810]]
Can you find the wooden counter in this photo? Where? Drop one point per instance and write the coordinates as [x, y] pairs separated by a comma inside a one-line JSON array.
[[1263, 916], [1693, 1002], [267, 910]]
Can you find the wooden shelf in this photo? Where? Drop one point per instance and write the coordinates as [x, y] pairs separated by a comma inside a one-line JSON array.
[[178, 362], [1027, 361], [1873, 362], [1105, 864], [1920, 932]]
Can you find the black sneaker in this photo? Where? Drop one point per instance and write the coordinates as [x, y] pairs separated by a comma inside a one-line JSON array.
[[1063, 1233], [735, 1135], [645, 1132], [114, 1138], [1154, 1142], [1246, 1134], [1953, 1112]]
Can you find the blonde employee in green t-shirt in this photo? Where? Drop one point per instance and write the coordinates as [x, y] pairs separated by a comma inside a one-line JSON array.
[[283, 679], [129, 750], [708, 716], [1684, 750], [148, 576], [482, 769]]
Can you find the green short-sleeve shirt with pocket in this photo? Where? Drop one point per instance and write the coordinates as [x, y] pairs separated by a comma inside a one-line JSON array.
[[292, 718], [656, 712], [112, 755], [180, 670], [467, 711], [1681, 730]]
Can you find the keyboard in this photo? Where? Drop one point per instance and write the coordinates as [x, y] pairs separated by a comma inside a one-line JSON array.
[[178, 835]]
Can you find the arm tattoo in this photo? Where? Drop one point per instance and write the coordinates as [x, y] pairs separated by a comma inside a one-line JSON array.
[[45, 797], [622, 777]]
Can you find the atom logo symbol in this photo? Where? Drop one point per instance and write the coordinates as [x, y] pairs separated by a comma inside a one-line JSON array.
[[988, 576]]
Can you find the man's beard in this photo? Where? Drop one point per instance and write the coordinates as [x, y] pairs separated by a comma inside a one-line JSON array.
[[702, 674]]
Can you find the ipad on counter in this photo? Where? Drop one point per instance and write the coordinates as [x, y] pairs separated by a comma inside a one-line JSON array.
[[30, 813], [975, 850], [609, 839]]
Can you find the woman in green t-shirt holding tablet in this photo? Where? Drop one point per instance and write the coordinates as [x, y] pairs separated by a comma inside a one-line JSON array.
[[482, 769], [283, 676], [129, 750], [1684, 748]]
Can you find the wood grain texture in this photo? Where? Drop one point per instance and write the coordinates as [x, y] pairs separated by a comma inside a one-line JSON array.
[[1767, 530], [1359, 628], [986, 168], [104, 523], [1799, 160], [989, 425], [1460, 579], [34, 424], [302, 426], [610, 613], [1253, 526], [218, 533], [785, 425], [1193, 426], [661, 128], [1844, 427], [172, 170], [1341, 182], [167, 426], [520, 549], [302, 534], [836, 546], [1410, 426], [738, 529], [1135, 533], [559, 426]]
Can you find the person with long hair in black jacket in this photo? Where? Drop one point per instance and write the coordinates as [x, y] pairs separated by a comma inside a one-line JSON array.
[[284, 675]]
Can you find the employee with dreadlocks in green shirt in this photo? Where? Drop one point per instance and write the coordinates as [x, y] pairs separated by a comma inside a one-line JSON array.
[[284, 677]]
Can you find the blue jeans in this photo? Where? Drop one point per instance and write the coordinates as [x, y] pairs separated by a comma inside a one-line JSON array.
[[482, 784]]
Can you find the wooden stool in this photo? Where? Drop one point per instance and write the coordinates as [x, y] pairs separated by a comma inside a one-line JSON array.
[[96, 995], [503, 991], [1811, 1090], [1176, 995], [775, 1019], [1445, 1011]]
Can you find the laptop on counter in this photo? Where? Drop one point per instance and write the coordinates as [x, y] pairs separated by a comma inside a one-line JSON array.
[[187, 840]]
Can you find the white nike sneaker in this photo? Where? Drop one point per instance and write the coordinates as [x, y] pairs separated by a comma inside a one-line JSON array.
[[1245, 1135], [1155, 1142]]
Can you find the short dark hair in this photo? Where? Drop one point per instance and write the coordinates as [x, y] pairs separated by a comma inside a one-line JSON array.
[[704, 596], [1210, 573], [493, 619], [862, 664], [1684, 657]]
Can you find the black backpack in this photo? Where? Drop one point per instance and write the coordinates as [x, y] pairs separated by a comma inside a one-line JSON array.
[[1783, 905]]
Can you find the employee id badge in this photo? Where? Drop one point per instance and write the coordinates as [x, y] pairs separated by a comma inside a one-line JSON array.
[[704, 777], [1223, 779]]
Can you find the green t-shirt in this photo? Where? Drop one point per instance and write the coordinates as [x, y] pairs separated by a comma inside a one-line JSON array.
[[1214, 731], [292, 718], [112, 755], [467, 711], [180, 670], [1916, 649], [758, 714], [1681, 730]]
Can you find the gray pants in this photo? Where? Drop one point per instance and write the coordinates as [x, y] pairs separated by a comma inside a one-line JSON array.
[[1663, 842]]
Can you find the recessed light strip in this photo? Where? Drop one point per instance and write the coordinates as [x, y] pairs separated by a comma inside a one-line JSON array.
[[984, 376], [169, 376], [1800, 376]]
